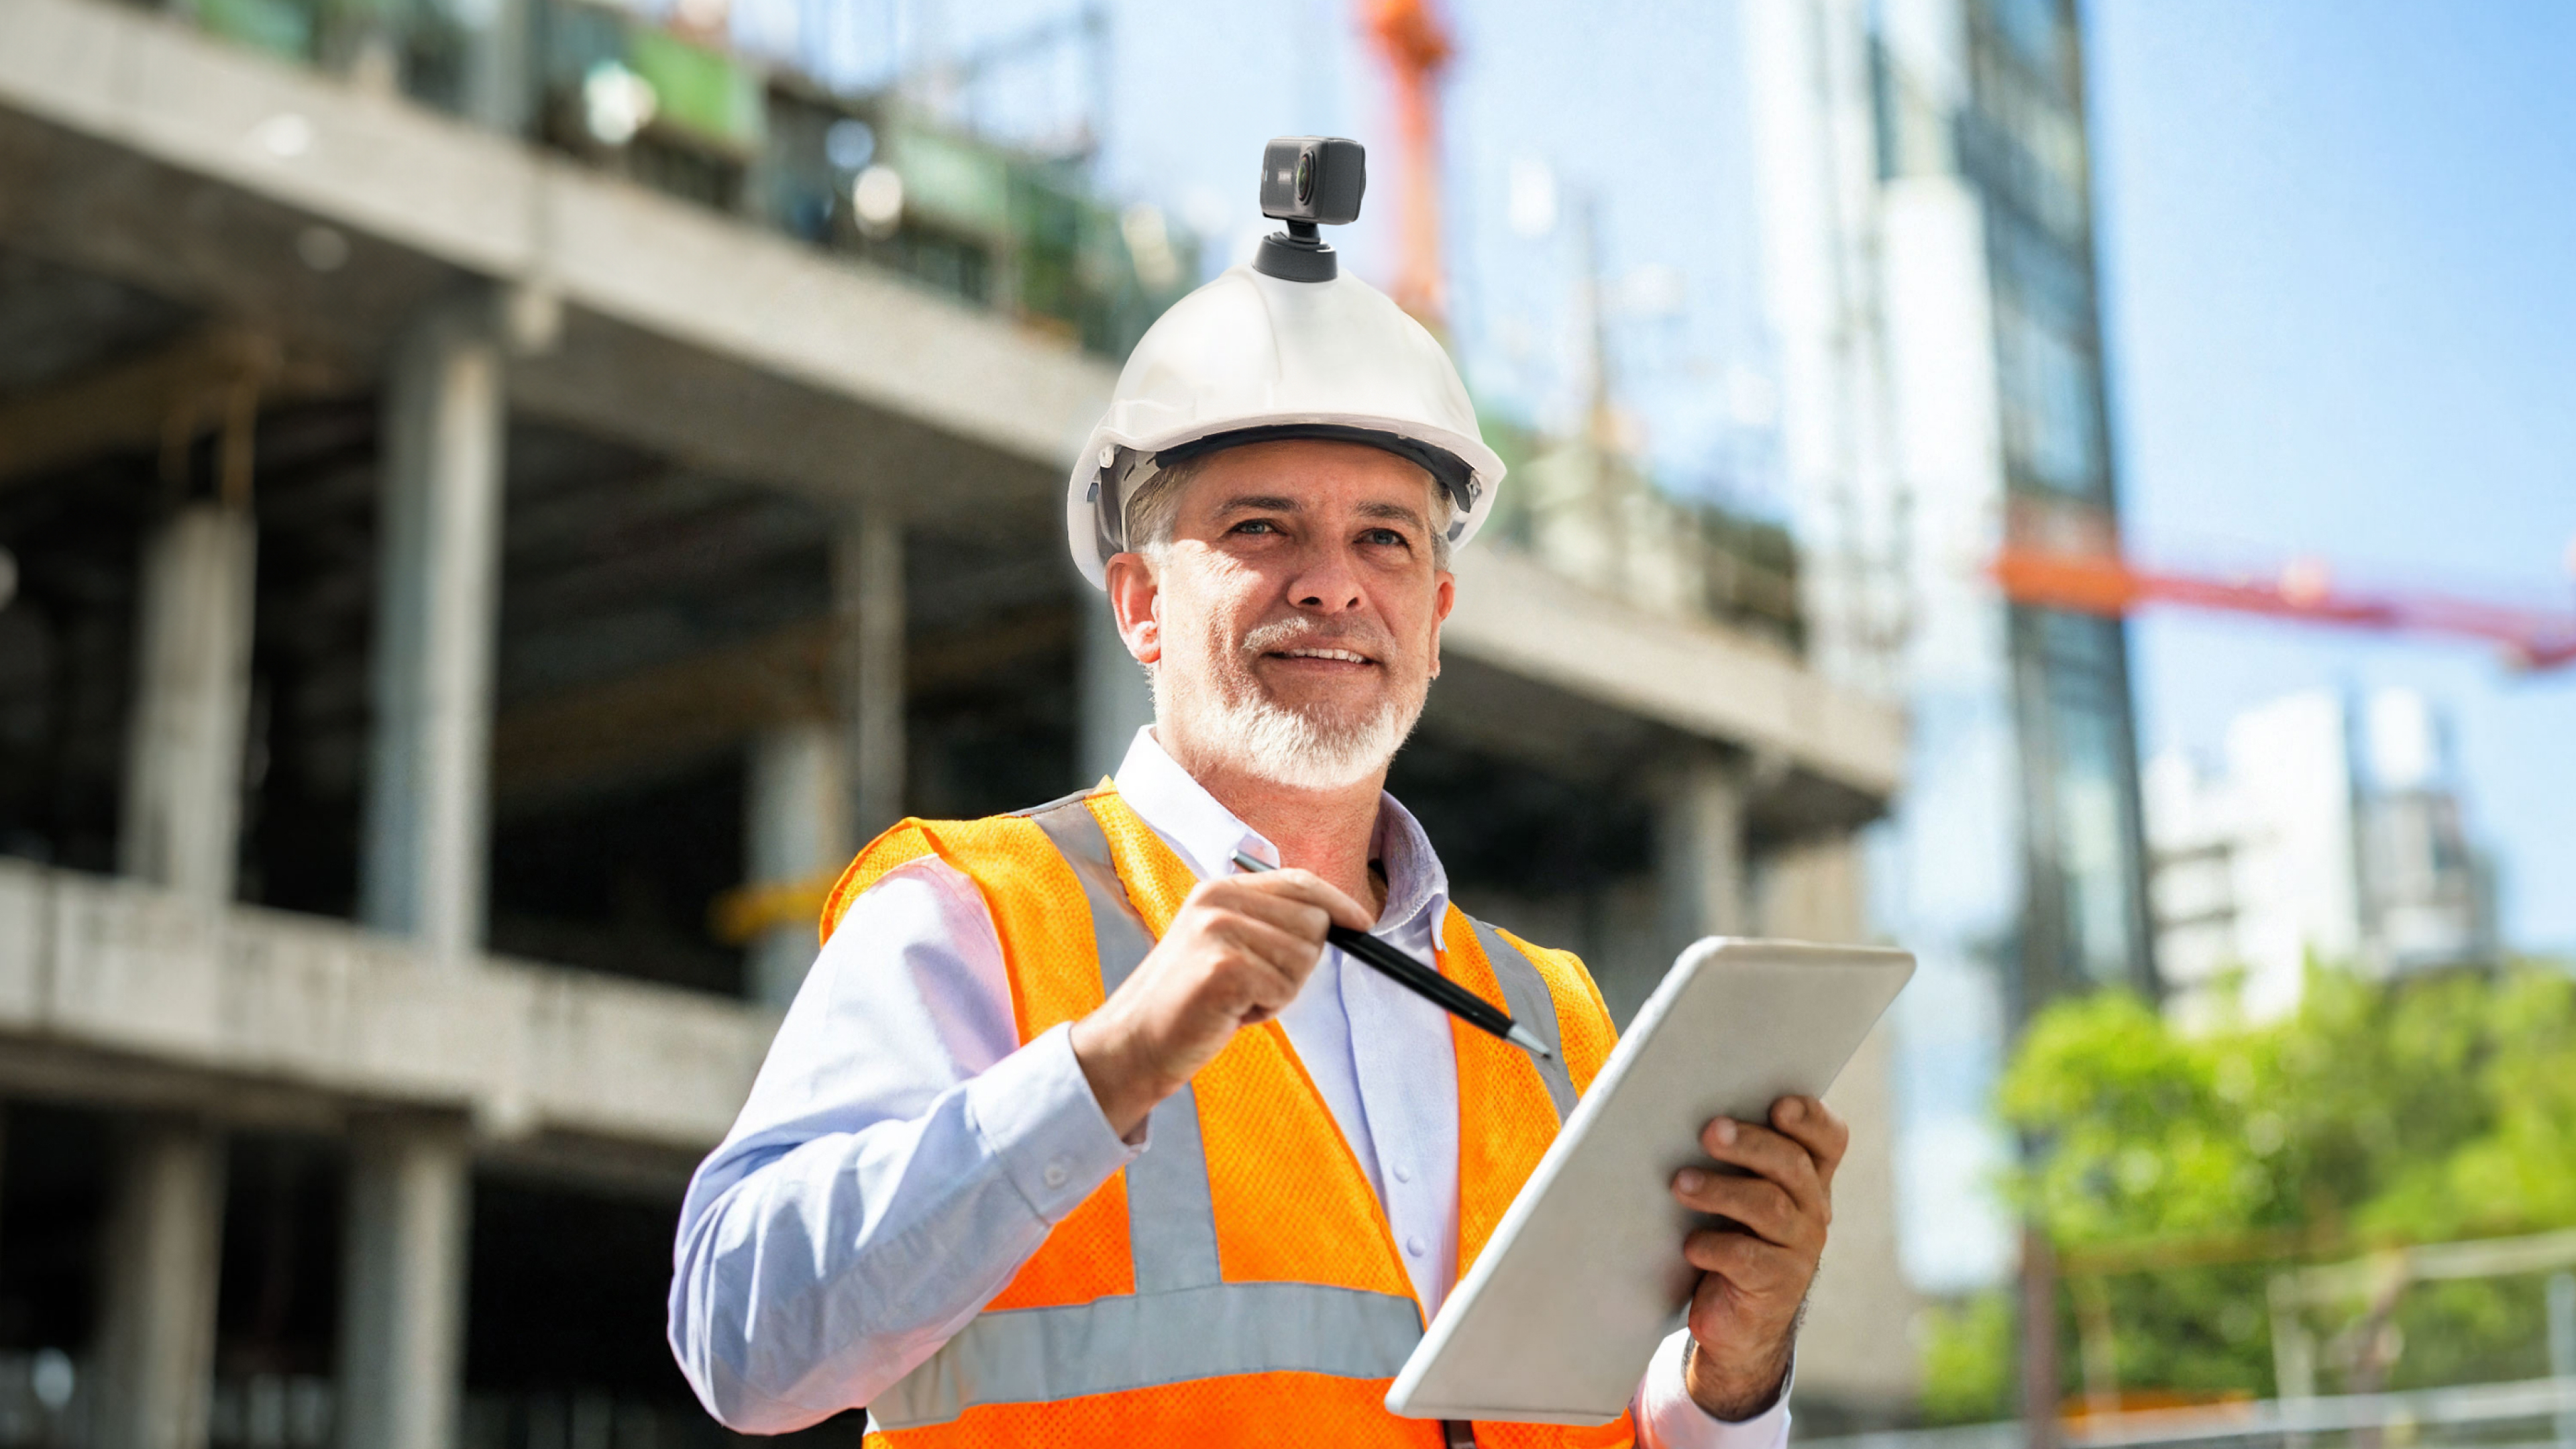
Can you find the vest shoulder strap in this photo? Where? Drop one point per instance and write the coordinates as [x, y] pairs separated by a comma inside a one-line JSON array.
[[1579, 1027], [1527, 997], [1022, 875], [911, 838]]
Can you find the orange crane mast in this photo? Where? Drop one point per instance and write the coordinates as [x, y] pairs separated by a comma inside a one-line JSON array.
[[2109, 586], [1417, 48]]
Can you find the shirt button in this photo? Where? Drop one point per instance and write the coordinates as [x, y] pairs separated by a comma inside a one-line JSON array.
[[1403, 1173], [1413, 1245], [1055, 1174]]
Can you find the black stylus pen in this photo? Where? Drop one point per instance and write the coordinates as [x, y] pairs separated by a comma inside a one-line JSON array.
[[1419, 979]]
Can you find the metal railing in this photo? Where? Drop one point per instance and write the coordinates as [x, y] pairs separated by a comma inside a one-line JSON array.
[[2533, 1412]]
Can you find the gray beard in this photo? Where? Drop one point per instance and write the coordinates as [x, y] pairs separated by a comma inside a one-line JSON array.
[[1252, 734]]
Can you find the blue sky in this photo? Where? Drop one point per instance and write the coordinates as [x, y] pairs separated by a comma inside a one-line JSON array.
[[2335, 242]]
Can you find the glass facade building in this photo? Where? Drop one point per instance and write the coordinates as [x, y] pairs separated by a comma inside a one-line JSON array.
[[1925, 200], [2010, 127]]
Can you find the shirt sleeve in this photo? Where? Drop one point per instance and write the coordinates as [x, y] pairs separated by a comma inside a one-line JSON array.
[[901, 1155], [1668, 1418]]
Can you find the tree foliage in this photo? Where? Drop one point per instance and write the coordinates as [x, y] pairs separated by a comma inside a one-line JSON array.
[[2197, 1165]]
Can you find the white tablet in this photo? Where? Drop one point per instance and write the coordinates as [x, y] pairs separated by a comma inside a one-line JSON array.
[[1584, 1276]]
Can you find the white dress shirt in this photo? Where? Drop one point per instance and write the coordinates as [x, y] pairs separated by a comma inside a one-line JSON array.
[[902, 1154]]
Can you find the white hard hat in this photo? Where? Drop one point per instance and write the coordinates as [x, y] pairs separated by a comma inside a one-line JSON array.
[[1256, 355]]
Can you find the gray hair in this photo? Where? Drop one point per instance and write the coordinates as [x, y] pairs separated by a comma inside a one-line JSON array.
[[1154, 510]]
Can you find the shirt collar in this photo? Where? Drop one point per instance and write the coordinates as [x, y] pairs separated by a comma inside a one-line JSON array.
[[1206, 835]]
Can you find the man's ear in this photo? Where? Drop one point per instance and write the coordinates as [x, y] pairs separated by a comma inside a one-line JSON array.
[[1444, 597], [1132, 595]]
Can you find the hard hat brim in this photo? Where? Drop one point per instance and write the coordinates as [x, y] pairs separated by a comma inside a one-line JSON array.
[[1111, 470]]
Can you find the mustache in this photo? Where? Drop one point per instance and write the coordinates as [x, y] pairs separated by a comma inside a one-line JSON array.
[[1306, 634]]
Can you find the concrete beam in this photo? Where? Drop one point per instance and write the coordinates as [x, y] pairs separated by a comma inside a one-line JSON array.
[[598, 735], [710, 412], [489, 205], [162, 1257], [1700, 679], [117, 990], [90, 204], [165, 397]]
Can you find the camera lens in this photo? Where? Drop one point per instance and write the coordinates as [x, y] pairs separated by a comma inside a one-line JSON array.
[[1305, 178]]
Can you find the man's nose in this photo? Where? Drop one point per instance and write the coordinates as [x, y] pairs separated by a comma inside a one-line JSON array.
[[1326, 581]]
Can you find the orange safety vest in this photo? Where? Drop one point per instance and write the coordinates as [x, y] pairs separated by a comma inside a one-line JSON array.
[[1238, 1283]]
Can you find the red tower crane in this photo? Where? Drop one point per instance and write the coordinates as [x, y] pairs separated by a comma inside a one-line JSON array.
[[1417, 48], [2110, 586]]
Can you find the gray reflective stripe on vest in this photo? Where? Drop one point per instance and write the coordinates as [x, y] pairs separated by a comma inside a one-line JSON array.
[[1184, 1322], [1525, 994], [1171, 1221], [1039, 1355]]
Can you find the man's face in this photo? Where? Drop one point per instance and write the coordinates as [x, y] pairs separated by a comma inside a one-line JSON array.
[[1294, 619]]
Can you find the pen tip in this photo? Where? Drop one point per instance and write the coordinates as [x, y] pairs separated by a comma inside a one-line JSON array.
[[1528, 1041]]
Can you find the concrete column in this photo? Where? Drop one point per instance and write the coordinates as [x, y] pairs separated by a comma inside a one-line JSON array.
[[867, 589], [402, 1303], [183, 762], [1116, 698], [1810, 890], [438, 607], [798, 828], [162, 1253], [1699, 848]]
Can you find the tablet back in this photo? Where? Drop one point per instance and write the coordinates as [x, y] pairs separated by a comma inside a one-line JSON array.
[[1584, 1276]]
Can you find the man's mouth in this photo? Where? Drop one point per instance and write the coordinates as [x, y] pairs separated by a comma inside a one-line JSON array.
[[1342, 655]]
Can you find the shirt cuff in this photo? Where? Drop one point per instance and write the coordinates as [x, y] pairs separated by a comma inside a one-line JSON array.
[[1038, 1117], [1669, 1418]]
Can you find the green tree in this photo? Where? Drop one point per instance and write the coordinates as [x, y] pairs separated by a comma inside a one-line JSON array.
[[2432, 1108]]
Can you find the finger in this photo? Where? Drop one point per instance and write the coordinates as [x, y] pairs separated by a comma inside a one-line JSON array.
[[1291, 913], [1314, 890], [1748, 1263], [1816, 1127], [1280, 961], [1768, 1154], [1761, 1206]]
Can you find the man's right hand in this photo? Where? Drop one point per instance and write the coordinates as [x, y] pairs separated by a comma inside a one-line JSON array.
[[1237, 951]]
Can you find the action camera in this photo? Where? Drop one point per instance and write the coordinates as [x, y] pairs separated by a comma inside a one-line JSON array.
[[1307, 182], [1313, 179]]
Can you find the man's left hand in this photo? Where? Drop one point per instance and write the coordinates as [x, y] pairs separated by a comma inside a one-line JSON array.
[[1754, 1277]]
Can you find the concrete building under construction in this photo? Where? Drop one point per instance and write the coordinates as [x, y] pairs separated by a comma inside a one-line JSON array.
[[496, 504]]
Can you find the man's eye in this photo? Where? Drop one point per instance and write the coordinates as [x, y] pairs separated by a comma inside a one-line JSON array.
[[1386, 537], [1256, 525]]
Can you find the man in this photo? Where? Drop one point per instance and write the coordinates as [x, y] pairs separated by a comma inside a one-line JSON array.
[[1074, 1134]]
